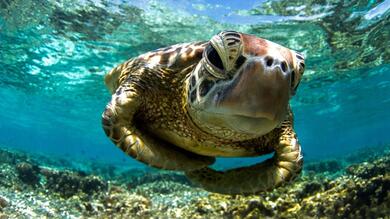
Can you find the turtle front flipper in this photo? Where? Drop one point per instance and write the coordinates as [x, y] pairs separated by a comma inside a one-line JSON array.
[[118, 125], [283, 167]]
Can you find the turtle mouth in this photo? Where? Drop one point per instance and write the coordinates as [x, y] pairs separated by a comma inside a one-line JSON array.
[[252, 125], [256, 115], [253, 116]]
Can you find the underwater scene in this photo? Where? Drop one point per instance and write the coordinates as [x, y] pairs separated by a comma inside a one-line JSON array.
[[182, 152]]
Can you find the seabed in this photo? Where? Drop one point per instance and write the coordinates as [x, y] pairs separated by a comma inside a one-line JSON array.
[[35, 186]]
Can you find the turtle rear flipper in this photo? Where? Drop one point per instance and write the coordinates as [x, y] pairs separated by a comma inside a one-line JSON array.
[[283, 167], [117, 121]]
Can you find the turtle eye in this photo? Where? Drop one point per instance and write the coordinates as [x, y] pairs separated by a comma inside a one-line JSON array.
[[213, 57]]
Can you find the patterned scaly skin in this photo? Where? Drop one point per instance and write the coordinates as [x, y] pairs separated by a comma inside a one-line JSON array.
[[147, 118]]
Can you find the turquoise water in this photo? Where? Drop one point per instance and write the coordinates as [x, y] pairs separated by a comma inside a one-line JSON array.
[[54, 54]]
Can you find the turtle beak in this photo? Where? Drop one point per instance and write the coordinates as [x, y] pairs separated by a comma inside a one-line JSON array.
[[258, 91]]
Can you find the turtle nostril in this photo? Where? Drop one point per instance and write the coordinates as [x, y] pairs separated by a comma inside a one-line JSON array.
[[269, 61], [284, 66]]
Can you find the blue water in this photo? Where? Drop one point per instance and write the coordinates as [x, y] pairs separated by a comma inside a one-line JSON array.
[[54, 54]]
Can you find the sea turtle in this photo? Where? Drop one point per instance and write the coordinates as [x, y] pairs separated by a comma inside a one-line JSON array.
[[179, 107]]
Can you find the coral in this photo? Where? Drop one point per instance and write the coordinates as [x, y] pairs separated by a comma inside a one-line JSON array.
[[3, 202], [353, 198], [28, 173], [8, 176], [360, 190], [368, 154], [310, 188], [348, 198], [150, 177], [369, 169], [324, 166], [364, 193], [125, 205], [11, 157], [69, 183], [169, 197], [160, 187]]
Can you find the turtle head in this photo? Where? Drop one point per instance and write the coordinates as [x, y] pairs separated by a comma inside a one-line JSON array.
[[242, 84]]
